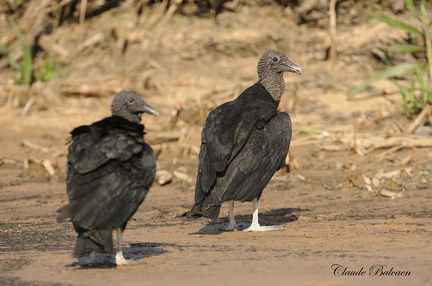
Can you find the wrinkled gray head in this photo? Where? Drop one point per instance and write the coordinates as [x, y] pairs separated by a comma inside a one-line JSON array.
[[130, 106], [271, 67]]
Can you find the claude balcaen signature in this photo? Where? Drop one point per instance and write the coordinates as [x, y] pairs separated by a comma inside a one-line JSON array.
[[375, 270]]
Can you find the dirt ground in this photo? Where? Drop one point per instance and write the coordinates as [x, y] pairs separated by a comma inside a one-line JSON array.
[[356, 192]]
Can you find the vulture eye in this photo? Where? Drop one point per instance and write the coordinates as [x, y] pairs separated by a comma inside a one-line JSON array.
[[131, 99], [275, 59]]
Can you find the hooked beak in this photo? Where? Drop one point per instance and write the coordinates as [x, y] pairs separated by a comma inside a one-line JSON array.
[[150, 110], [144, 107], [291, 67]]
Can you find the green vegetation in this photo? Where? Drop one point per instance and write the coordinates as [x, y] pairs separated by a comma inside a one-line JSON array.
[[50, 68], [18, 2], [25, 66], [418, 93]]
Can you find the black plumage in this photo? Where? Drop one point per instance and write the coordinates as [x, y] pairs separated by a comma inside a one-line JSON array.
[[110, 170], [243, 143]]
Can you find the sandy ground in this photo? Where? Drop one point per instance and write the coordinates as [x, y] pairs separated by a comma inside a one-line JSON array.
[[334, 230], [323, 219]]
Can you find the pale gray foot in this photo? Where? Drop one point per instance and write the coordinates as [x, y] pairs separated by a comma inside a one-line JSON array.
[[232, 223], [119, 258], [255, 226]]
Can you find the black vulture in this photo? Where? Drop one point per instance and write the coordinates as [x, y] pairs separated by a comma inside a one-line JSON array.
[[109, 172], [243, 143]]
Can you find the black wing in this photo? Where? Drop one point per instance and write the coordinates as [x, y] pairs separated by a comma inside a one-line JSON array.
[[226, 132], [251, 170], [110, 170], [263, 154]]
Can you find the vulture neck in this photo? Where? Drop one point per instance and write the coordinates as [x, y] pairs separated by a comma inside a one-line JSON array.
[[273, 82]]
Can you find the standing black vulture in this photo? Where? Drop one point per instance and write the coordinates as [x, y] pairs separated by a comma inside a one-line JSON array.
[[243, 143], [110, 170]]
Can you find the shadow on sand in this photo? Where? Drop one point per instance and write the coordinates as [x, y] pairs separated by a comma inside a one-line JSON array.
[[136, 252], [274, 217]]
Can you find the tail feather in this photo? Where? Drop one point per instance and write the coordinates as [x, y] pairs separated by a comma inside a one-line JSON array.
[[211, 212], [99, 241]]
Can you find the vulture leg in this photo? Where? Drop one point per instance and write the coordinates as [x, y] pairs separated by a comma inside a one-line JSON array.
[[232, 223], [255, 226], [120, 260]]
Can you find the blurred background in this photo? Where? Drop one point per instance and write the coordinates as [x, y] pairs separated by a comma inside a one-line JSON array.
[[366, 82], [356, 187]]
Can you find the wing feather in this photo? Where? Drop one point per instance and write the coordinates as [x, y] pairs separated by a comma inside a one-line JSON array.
[[109, 173], [251, 170], [225, 132]]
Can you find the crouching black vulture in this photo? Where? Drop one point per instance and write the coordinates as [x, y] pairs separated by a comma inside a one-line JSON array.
[[243, 143], [109, 172]]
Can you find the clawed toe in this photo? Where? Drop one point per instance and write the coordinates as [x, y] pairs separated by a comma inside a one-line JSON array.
[[261, 228]]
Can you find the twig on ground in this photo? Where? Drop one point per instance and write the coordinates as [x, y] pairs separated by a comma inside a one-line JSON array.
[[427, 110]]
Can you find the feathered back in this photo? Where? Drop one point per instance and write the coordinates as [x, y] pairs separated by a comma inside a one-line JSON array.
[[96, 144]]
